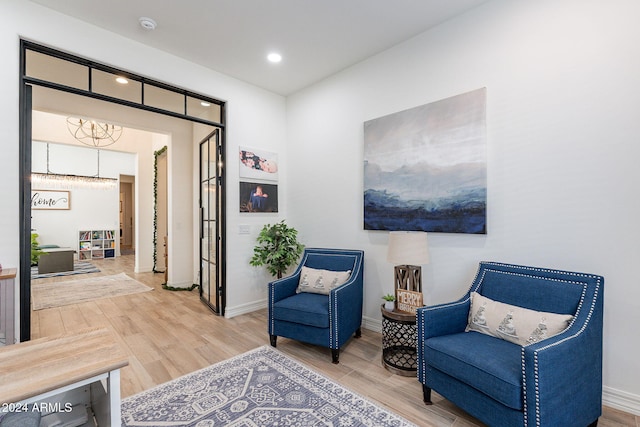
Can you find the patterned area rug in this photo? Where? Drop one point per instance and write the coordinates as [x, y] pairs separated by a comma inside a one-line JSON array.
[[79, 267], [262, 387], [56, 294]]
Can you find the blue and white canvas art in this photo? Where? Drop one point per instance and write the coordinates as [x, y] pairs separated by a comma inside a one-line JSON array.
[[425, 168]]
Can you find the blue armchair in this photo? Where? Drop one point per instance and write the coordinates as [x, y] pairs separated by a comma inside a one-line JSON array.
[[317, 318], [555, 381]]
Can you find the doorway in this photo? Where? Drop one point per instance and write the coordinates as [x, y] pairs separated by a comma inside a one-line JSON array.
[[61, 72], [127, 214]]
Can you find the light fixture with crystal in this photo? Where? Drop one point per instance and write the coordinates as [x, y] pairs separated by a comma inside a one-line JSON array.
[[68, 181]]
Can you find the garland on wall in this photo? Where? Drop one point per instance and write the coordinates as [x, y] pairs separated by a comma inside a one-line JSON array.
[[156, 154]]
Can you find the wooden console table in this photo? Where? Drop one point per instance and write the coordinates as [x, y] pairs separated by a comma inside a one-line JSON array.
[[72, 370]]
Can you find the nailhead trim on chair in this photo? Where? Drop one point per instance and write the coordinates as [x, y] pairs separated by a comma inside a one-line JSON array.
[[535, 355], [536, 366], [333, 336]]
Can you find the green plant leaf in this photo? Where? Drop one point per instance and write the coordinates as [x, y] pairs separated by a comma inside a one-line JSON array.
[[277, 248]]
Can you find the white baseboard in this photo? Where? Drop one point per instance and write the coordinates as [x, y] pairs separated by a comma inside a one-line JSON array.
[[616, 399], [621, 400], [372, 324], [230, 312]]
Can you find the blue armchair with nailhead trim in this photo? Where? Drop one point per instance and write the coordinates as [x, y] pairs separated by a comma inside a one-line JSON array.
[[326, 319], [554, 381]]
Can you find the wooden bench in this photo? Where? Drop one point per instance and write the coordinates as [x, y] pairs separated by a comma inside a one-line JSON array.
[[76, 370]]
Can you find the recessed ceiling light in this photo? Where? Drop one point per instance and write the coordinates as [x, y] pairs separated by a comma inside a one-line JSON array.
[[122, 80], [147, 23], [274, 57], [205, 104]]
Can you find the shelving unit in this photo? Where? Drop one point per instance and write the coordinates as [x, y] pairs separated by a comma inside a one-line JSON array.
[[96, 244]]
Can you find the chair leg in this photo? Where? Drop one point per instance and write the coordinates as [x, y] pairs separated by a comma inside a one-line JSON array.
[[594, 424], [273, 339], [358, 333], [335, 355], [426, 395]]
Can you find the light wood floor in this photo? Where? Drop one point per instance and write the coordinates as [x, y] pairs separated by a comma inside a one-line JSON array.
[[168, 334]]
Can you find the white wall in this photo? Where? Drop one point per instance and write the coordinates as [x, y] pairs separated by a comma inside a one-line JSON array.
[[255, 118], [139, 143], [562, 129]]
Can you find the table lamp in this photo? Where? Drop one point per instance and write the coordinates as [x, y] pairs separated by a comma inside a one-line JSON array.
[[408, 250]]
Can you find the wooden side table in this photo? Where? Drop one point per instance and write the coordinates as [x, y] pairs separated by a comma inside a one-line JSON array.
[[399, 340]]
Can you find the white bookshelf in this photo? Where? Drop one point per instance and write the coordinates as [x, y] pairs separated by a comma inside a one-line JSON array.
[[96, 244]]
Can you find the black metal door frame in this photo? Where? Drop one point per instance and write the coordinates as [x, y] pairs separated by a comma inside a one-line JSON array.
[[214, 299], [25, 109]]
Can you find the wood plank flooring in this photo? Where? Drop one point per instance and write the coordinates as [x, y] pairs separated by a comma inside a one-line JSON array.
[[168, 334]]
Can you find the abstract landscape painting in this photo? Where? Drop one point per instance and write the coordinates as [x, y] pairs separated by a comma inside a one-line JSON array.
[[425, 168]]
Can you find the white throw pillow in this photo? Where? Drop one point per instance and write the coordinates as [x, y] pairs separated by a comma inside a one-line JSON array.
[[512, 323], [321, 281]]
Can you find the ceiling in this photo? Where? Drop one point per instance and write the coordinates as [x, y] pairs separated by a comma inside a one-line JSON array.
[[316, 38]]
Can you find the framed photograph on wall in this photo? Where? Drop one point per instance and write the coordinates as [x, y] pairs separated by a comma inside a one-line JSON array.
[[50, 200], [258, 197], [258, 164]]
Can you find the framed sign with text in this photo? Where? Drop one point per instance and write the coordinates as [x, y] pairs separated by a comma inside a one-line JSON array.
[[408, 301], [50, 200]]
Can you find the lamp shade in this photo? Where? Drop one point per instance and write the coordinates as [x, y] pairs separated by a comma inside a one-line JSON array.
[[408, 247]]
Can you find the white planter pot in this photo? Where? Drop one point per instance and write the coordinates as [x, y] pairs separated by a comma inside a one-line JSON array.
[[389, 305]]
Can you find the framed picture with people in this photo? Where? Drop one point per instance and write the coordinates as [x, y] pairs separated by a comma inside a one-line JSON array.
[[258, 197], [258, 164]]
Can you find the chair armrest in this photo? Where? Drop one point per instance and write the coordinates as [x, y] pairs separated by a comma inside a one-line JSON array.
[[283, 288], [442, 319], [564, 370], [345, 310]]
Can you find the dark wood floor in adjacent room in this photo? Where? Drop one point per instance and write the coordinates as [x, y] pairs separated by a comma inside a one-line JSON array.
[[168, 334]]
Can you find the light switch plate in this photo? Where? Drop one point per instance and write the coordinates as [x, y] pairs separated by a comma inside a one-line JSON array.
[[244, 229]]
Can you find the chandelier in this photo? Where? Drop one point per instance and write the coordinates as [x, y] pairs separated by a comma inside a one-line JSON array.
[[93, 133], [68, 181]]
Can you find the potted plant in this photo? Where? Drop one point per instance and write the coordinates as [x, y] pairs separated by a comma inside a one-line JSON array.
[[278, 248], [389, 302], [35, 249]]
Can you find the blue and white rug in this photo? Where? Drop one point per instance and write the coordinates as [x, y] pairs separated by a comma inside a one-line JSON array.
[[79, 267], [262, 387]]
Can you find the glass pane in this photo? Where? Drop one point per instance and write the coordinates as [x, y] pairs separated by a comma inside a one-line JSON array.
[[204, 242], [106, 84], [204, 193], [212, 247], [204, 164], [213, 167], [49, 68], [205, 280], [162, 98], [212, 277], [203, 109], [212, 200]]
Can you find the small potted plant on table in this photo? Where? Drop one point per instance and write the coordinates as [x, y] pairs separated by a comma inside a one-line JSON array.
[[389, 302]]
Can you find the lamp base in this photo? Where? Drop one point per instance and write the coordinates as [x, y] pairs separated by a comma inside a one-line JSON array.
[[408, 277]]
